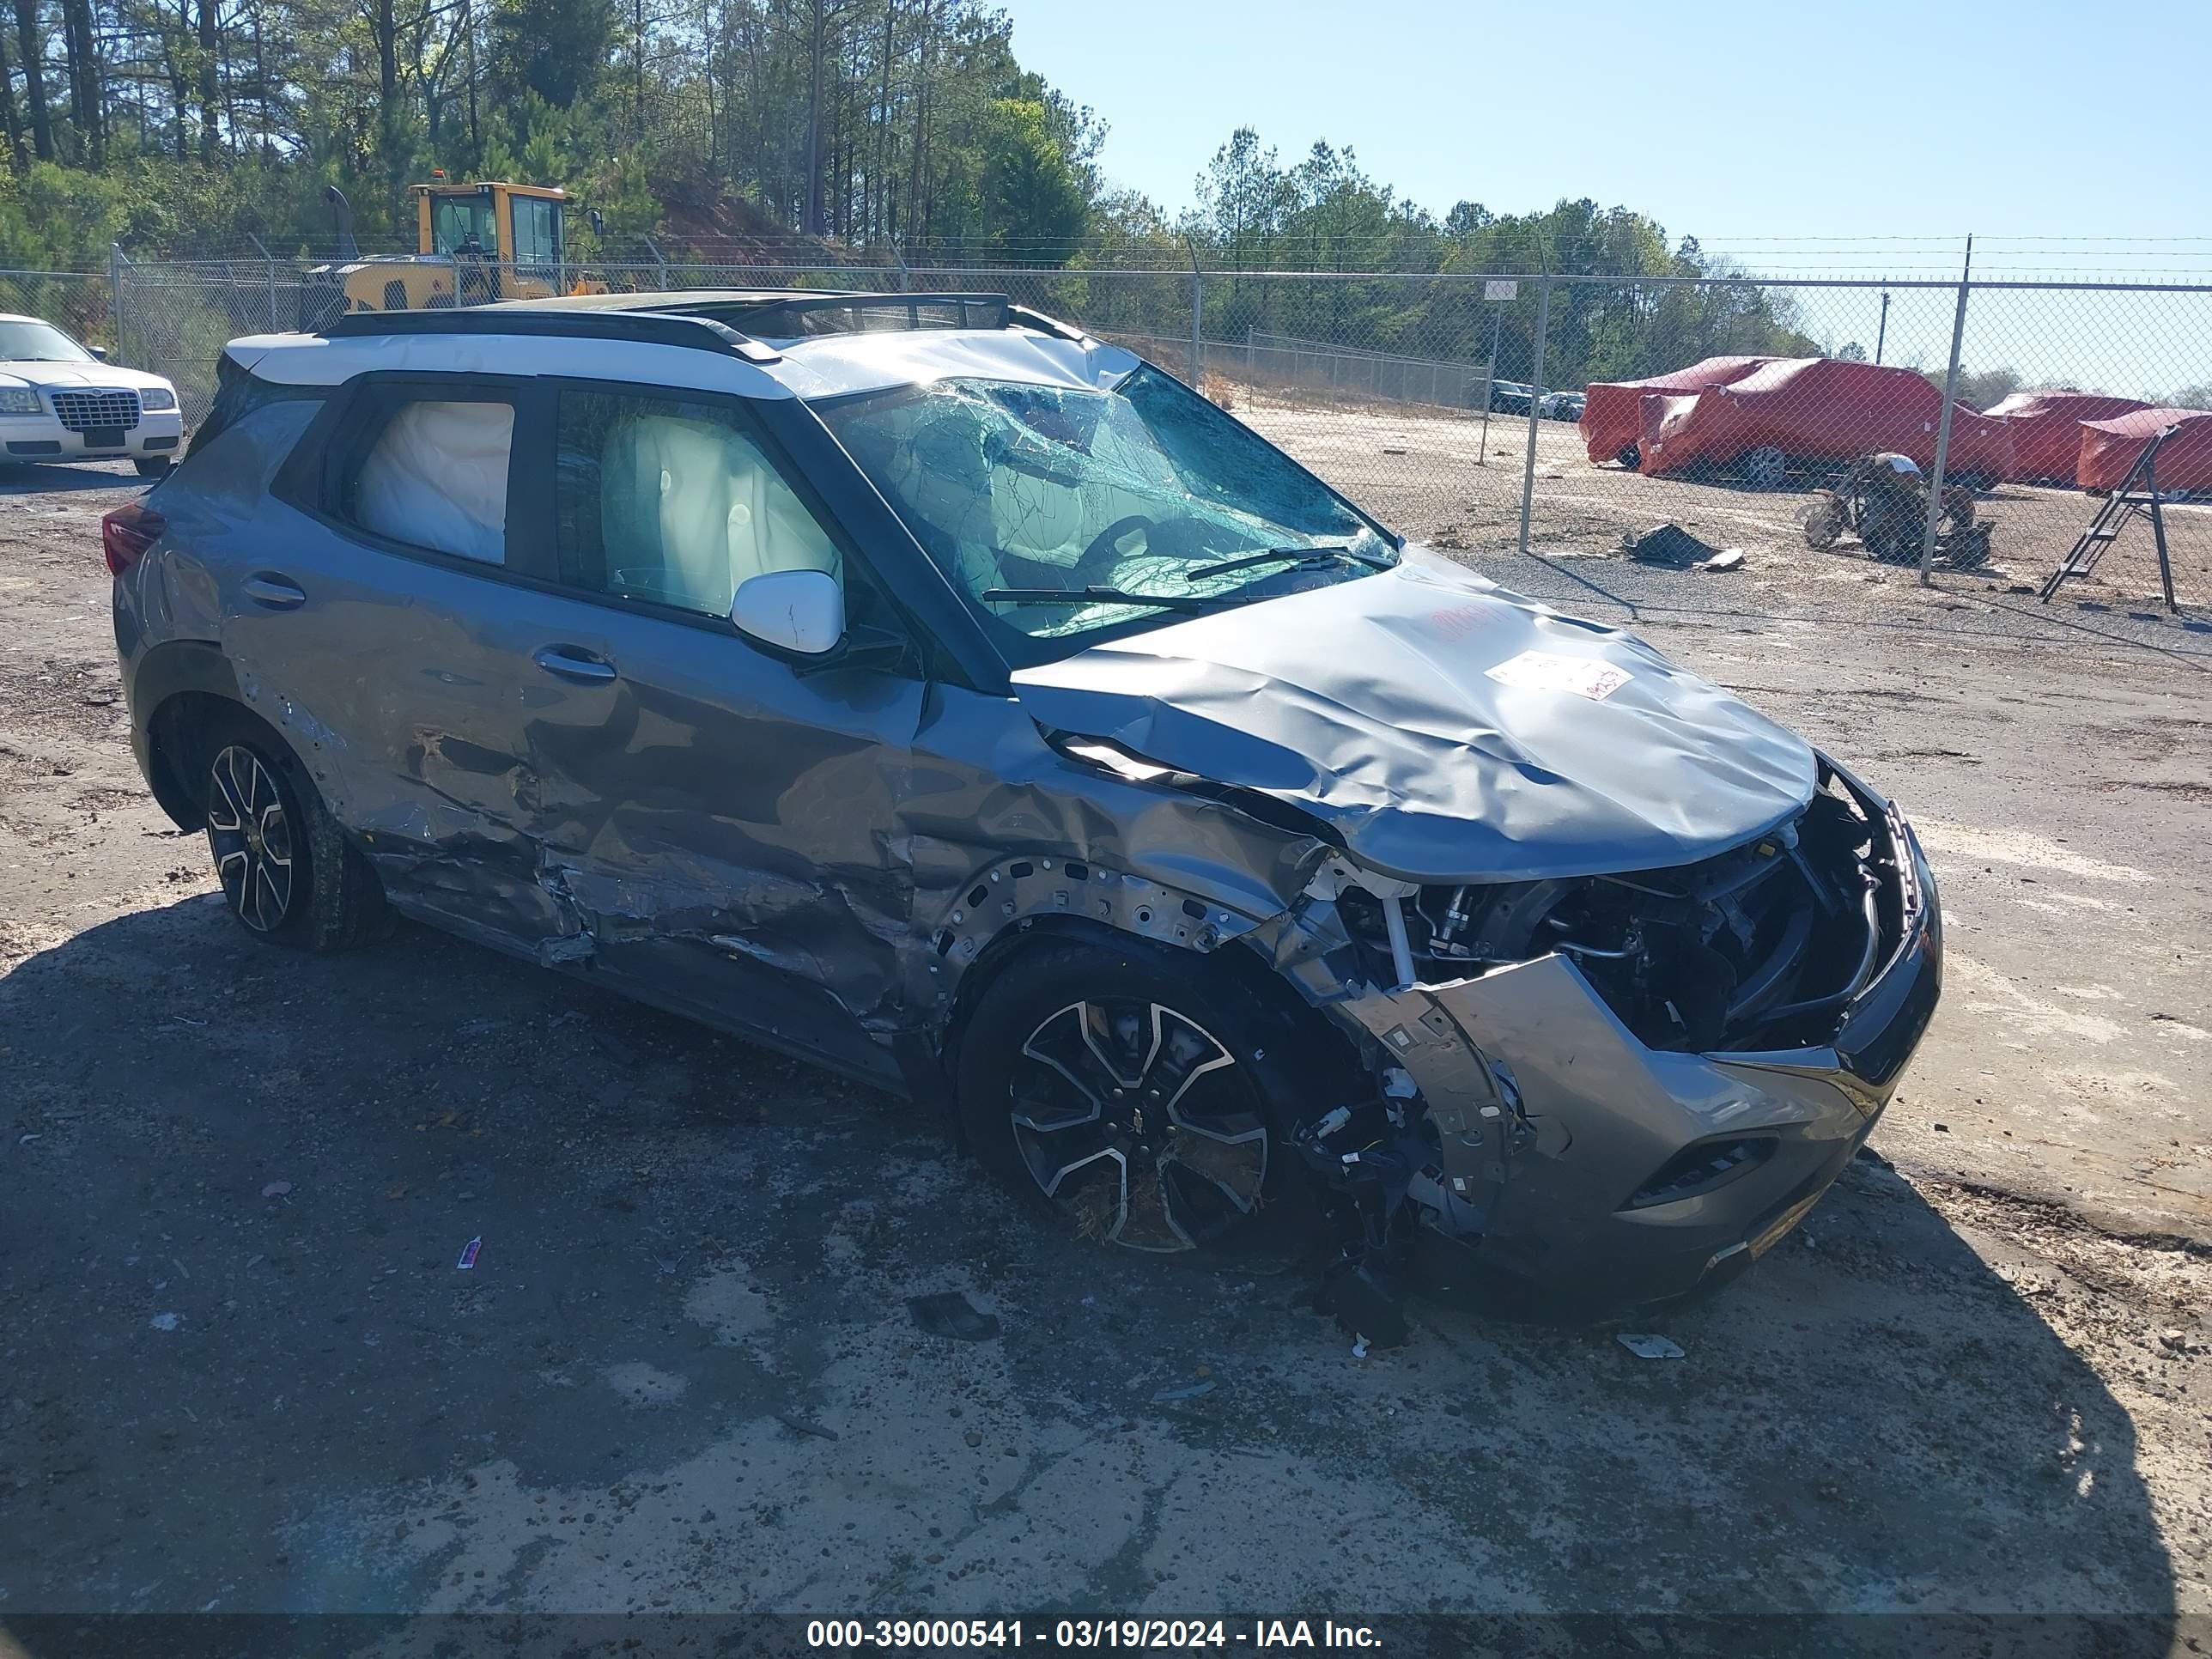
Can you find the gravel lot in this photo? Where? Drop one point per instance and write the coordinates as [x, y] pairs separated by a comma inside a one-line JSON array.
[[1436, 476], [239, 1370]]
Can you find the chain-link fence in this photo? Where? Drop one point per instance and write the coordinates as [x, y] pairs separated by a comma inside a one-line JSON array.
[[1803, 421], [77, 303]]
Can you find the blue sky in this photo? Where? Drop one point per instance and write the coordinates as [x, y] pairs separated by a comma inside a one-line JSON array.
[[1731, 120]]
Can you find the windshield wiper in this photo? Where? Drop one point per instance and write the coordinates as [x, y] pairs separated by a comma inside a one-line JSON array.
[[1109, 595], [1300, 557]]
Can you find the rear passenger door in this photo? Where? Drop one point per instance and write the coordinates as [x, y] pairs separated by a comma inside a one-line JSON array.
[[724, 821], [386, 626]]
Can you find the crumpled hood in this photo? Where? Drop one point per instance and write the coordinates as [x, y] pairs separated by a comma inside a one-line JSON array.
[[1446, 729]]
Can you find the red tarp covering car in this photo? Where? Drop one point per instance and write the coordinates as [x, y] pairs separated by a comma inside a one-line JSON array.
[[2109, 448], [1612, 410], [2046, 430], [1820, 410]]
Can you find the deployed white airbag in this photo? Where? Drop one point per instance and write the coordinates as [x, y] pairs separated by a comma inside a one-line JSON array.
[[437, 478]]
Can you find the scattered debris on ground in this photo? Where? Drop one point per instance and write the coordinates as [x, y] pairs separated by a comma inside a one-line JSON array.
[[950, 1314], [1668, 544]]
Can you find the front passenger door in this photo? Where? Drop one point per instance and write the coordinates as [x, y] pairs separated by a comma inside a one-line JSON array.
[[726, 824]]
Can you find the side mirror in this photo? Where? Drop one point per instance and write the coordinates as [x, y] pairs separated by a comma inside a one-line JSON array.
[[802, 612], [101, 352]]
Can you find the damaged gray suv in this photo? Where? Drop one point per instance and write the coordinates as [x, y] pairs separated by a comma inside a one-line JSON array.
[[922, 686]]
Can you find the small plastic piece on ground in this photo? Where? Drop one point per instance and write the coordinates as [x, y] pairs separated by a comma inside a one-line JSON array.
[[1359, 1349], [1365, 1304], [1188, 1391], [799, 1425], [949, 1314], [469, 1255], [1645, 1346], [1730, 560], [166, 1322], [276, 1189]]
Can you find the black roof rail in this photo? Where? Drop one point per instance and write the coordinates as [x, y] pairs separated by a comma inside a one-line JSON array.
[[1043, 325], [698, 332], [782, 316]]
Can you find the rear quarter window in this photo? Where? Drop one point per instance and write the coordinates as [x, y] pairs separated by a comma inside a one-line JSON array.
[[240, 393], [242, 460]]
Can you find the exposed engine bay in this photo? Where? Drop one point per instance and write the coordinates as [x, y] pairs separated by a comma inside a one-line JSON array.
[[1761, 948]]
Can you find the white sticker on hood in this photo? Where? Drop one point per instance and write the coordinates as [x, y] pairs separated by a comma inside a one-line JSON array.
[[1546, 670]]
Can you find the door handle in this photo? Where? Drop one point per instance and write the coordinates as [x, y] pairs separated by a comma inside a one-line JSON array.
[[573, 662], [274, 593]]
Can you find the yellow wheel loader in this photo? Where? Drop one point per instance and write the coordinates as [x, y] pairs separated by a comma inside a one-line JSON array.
[[475, 243]]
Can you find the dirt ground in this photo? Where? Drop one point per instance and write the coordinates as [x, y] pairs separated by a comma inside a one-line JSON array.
[[239, 1371]]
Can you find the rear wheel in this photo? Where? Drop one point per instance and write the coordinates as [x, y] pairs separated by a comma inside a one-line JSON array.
[[288, 874], [1892, 533], [1139, 1094], [1764, 468]]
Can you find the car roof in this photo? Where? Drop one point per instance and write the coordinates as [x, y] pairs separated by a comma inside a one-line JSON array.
[[601, 337]]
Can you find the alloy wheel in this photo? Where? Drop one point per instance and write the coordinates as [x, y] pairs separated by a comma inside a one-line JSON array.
[[1139, 1123], [251, 837]]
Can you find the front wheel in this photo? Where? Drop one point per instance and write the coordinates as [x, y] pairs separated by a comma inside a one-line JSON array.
[[1139, 1094], [288, 874], [1824, 520], [1629, 457], [152, 466]]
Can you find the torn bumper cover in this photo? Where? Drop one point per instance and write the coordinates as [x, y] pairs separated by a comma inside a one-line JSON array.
[[1574, 1162]]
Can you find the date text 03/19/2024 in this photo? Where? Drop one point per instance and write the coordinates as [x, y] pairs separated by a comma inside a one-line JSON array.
[[1083, 1633]]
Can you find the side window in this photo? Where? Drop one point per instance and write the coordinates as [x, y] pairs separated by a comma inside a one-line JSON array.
[[536, 242], [674, 502], [436, 477]]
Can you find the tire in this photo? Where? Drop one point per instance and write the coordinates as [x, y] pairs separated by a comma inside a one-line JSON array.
[[1143, 1096], [289, 875], [1891, 535], [1630, 457], [1764, 468], [152, 466], [1824, 520]]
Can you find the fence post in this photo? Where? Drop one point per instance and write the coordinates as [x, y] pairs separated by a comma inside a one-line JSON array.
[[1535, 396], [115, 297], [1197, 316], [269, 263], [1943, 426]]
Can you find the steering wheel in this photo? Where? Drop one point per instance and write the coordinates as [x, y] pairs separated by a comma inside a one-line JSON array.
[[1108, 539]]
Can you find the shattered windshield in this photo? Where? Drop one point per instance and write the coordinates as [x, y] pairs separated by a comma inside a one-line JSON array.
[[1066, 514]]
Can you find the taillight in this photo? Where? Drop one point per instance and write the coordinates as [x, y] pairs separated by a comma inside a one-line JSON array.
[[126, 533]]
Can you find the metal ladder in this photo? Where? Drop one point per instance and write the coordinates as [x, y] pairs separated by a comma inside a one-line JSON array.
[[2115, 513]]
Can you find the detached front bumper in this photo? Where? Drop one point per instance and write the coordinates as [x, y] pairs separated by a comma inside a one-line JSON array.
[[1590, 1171]]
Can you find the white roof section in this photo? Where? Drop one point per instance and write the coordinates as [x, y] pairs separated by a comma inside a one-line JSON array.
[[312, 360], [819, 366]]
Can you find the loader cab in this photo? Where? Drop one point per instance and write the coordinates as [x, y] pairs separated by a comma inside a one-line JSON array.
[[519, 226]]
